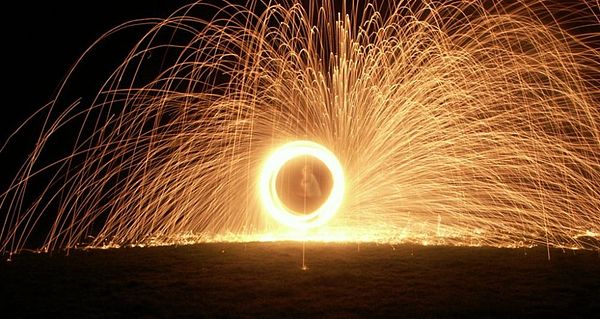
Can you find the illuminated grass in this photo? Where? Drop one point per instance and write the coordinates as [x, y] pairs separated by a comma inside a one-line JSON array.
[[264, 280]]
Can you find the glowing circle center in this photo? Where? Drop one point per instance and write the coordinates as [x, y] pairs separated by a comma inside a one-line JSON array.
[[268, 185]]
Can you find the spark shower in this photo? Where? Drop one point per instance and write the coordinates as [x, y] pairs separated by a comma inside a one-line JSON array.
[[462, 122]]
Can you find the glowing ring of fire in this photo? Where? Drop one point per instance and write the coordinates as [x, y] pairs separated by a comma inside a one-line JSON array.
[[268, 191]]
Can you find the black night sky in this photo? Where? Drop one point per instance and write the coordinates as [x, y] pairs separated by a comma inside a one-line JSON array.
[[43, 40]]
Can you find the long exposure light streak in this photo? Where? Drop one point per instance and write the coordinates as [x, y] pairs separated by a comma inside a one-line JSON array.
[[459, 122], [268, 187]]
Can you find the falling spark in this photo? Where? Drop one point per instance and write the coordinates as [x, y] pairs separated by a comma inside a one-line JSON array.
[[460, 122]]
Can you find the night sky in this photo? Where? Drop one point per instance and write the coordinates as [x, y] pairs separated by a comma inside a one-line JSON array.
[[42, 41]]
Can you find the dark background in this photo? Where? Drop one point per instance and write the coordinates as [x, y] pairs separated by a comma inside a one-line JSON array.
[[41, 41]]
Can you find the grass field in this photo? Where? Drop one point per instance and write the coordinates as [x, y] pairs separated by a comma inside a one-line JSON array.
[[265, 280]]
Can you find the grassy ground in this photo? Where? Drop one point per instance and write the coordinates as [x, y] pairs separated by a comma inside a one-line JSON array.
[[266, 280]]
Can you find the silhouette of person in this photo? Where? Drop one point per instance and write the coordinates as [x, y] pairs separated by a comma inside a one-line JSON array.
[[309, 184]]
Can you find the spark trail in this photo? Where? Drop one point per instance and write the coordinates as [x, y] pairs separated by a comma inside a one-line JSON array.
[[455, 122]]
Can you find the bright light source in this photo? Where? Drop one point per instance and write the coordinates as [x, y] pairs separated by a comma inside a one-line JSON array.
[[268, 185]]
